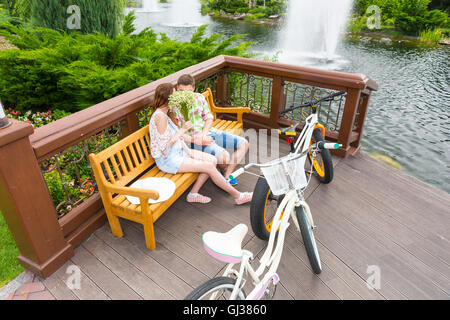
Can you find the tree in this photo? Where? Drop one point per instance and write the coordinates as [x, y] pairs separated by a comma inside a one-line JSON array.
[[104, 16]]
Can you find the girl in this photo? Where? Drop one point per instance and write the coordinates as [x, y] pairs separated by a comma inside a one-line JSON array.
[[172, 155]]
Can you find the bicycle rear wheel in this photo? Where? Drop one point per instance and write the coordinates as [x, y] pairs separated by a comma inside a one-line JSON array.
[[308, 240], [219, 288]]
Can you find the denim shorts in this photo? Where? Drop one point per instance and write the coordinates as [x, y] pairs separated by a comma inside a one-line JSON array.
[[172, 162], [222, 140]]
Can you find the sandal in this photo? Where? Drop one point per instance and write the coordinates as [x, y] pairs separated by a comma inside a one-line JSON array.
[[198, 198], [244, 198]]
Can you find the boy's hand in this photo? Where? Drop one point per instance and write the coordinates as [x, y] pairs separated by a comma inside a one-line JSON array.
[[203, 140], [207, 140]]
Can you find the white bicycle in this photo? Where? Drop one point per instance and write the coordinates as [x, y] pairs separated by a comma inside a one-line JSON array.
[[286, 180]]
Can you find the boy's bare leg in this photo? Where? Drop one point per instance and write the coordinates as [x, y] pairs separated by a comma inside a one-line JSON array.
[[236, 158]]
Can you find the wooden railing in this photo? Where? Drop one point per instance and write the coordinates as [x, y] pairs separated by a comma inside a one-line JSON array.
[[46, 232]]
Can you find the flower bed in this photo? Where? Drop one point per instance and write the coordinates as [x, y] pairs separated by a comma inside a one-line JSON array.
[[68, 174]]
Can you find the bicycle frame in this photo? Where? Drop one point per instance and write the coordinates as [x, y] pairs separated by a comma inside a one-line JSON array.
[[272, 256], [304, 139]]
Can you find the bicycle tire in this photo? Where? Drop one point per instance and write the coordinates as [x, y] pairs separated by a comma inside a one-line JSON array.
[[261, 194], [325, 171], [308, 240], [212, 285]]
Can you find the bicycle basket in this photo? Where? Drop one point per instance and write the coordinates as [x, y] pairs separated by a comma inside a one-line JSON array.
[[276, 177]]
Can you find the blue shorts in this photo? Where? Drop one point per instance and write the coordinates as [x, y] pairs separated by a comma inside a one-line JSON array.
[[222, 140]]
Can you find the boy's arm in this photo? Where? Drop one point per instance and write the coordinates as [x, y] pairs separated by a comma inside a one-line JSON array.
[[208, 117]]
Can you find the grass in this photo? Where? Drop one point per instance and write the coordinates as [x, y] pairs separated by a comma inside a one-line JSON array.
[[431, 35], [9, 265]]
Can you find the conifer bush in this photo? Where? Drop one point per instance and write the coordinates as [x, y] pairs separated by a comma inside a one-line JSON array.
[[73, 71]]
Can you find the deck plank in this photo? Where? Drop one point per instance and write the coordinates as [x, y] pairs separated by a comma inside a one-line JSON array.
[[147, 265], [139, 282], [88, 290], [104, 278]]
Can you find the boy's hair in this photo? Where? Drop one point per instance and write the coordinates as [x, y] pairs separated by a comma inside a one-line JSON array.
[[186, 80]]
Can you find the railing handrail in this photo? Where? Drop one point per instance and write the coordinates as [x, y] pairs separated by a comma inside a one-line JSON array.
[[56, 136], [303, 74]]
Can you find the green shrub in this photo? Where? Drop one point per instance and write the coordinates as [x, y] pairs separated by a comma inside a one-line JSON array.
[[73, 71], [272, 7], [430, 20]]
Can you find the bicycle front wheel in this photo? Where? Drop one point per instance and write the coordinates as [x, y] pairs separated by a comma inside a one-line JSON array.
[[263, 209], [308, 240], [219, 288], [323, 162]]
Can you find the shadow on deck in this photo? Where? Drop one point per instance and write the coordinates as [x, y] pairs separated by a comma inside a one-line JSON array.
[[369, 215]]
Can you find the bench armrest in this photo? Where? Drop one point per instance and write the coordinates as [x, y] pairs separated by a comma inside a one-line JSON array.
[[238, 111], [133, 192]]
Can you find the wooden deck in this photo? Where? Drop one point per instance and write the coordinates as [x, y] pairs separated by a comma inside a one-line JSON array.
[[370, 214]]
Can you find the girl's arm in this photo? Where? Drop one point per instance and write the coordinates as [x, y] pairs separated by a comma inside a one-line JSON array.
[[161, 125]]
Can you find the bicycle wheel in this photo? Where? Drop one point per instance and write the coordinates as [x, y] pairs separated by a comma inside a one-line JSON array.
[[219, 288], [309, 240], [322, 163], [263, 208]]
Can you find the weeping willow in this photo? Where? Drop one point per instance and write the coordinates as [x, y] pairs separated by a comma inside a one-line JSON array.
[[104, 16]]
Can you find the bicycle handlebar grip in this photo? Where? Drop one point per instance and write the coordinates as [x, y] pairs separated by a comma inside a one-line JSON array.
[[237, 173], [325, 145]]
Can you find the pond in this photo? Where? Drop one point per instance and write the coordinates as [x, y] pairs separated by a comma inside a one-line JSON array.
[[408, 118]]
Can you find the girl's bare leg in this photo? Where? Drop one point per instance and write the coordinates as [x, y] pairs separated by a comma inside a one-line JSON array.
[[203, 177], [208, 168]]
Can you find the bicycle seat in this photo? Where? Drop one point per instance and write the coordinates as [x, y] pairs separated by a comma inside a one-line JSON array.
[[226, 247]]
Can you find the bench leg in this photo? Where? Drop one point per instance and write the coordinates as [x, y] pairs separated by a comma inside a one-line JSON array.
[[114, 224], [149, 235], [148, 225]]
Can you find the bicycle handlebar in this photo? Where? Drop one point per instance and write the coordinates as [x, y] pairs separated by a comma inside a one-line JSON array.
[[313, 103], [320, 145], [325, 145]]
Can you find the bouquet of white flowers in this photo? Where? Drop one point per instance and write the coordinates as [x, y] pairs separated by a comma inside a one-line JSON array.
[[183, 101]]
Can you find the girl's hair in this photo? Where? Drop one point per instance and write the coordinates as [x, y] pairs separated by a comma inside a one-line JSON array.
[[161, 99]]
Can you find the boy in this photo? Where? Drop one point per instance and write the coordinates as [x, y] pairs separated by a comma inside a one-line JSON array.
[[208, 139]]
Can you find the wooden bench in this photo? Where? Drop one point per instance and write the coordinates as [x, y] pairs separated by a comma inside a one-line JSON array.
[[128, 160]]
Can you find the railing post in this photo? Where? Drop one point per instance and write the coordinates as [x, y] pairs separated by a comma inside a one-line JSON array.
[[129, 125], [364, 104], [26, 204], [348, 119], [276, 103], [222, 88]]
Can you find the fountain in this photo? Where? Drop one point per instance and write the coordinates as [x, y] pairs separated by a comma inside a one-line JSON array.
[[149, 6], [184, 14], [313, 30]]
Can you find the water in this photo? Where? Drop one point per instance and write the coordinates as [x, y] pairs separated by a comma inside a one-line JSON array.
[[408, 118]]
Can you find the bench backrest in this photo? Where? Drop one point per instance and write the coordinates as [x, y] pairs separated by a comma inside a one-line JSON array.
[[124, 161], [210, 99]]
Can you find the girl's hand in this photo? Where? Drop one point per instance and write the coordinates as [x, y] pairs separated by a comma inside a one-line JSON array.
[[187, 126]]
